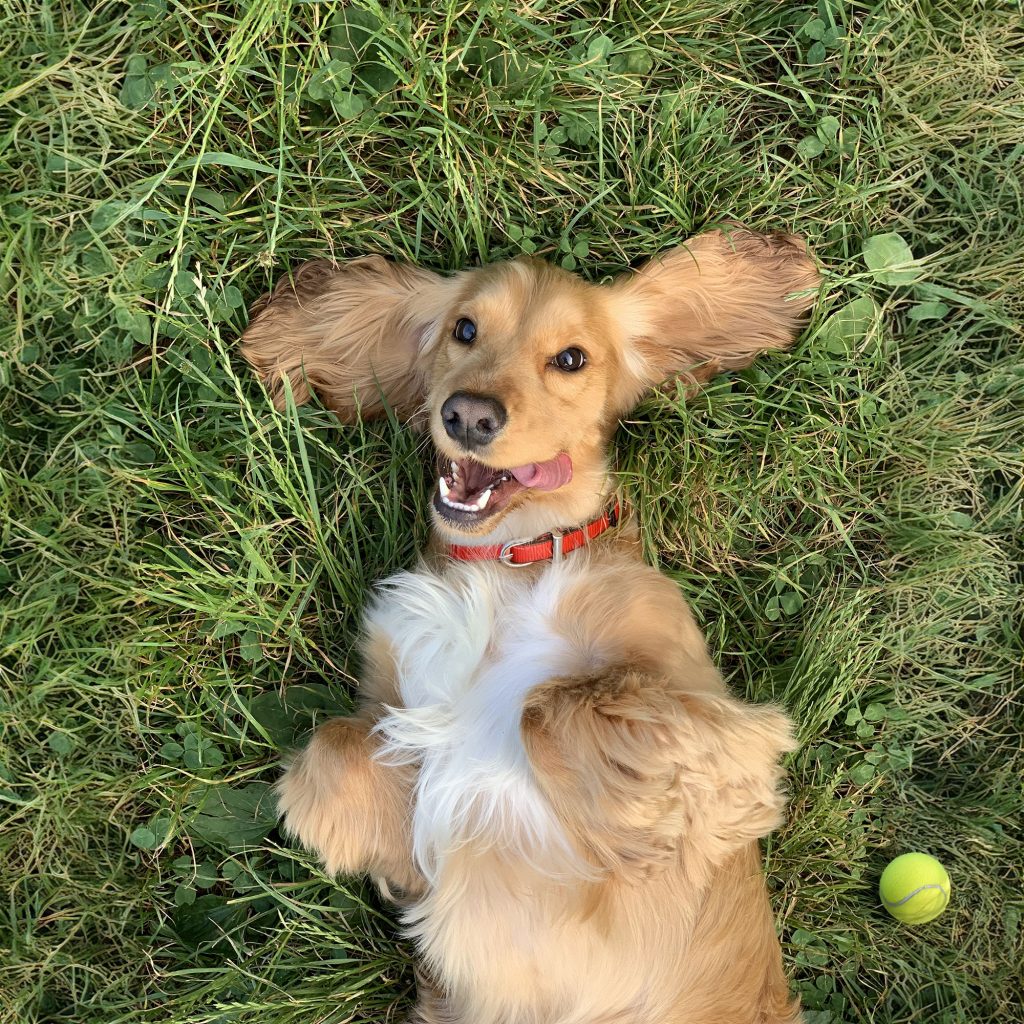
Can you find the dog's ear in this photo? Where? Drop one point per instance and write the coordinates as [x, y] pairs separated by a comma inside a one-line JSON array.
[[710, 305], [359, 334]]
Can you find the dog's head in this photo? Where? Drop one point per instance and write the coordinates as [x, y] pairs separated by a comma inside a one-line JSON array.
[[520, 370]]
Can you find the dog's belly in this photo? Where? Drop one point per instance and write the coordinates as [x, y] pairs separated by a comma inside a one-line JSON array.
[[508, 946], [468, 647], [504, 883], [506, 925]]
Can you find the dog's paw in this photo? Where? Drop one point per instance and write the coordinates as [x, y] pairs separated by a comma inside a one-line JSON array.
[[320, 797], [621, 700]]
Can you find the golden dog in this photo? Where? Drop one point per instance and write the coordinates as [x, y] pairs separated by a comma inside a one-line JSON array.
[[546, 769]]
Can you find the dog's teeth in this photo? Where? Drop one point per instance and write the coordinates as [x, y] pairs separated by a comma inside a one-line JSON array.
[[477, 506], [455, 468], [458, 504]]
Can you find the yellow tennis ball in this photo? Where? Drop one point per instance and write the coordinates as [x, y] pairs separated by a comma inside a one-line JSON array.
[[914, 888]]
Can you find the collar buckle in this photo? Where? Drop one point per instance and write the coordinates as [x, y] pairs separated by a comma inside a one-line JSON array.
[[505, 554]]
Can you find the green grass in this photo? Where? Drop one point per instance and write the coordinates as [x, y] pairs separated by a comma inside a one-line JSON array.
[[847, 519]]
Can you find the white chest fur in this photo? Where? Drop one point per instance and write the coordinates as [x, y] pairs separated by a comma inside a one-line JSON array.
[[469, 646]]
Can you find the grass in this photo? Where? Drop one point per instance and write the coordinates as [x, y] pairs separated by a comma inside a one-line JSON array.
[[174, 556]]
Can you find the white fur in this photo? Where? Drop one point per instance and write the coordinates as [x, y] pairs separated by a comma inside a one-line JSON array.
[[469, 647]]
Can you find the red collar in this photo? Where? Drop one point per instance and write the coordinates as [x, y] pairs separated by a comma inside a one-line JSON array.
[[548, 547]]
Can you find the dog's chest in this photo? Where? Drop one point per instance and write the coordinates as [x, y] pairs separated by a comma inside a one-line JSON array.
[[468, 648]]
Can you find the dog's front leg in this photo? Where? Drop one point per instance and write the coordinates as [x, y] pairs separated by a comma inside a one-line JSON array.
[[349, 808], [635, 766], [593, 745]]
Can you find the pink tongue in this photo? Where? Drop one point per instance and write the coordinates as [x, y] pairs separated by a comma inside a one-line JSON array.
[[545, 476]]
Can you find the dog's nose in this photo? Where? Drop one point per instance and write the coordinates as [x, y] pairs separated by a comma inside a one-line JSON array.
[[473, 420]]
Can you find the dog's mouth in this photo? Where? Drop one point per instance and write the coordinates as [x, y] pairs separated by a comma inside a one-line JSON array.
[[468, 492]]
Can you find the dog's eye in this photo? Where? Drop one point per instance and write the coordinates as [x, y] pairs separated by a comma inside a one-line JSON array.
[[570, 360], [465, 331]]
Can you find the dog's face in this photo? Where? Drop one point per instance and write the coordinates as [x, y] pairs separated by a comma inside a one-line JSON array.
[[521, 390], [520, 370]]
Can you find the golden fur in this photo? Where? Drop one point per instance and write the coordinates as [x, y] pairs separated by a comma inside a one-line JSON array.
[[642, 898]]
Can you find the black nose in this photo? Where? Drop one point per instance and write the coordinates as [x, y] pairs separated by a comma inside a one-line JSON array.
[[473, 420]]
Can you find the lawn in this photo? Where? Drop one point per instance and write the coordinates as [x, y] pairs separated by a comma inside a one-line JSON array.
[[182, 569]]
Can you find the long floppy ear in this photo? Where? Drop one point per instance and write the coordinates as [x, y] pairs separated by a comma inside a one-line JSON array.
[[710, 305], [357, 333]]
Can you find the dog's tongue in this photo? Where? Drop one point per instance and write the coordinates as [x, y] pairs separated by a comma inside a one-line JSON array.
[[545, 476]]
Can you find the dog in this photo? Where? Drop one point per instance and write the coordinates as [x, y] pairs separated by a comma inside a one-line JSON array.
[[545, 769]]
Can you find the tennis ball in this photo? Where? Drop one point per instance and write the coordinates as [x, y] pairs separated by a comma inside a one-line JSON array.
[[914, 888]]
